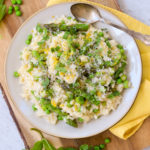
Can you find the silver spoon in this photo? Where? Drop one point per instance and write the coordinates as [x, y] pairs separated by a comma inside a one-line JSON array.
[[90, 14]]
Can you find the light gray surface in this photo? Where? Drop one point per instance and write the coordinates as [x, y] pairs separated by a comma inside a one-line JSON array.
[[139, 9], [9, 135]]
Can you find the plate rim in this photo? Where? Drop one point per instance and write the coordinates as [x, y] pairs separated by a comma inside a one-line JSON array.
[[6, 82]]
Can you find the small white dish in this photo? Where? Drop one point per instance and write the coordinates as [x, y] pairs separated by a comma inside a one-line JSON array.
[[61, 129]]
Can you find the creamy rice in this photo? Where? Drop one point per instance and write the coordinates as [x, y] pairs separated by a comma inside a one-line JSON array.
[[72, 71]]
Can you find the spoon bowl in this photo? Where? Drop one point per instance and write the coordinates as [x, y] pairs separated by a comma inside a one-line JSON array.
[[85, 13]]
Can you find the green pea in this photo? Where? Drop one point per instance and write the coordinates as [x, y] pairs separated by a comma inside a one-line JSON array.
[[18, 13], [10, 12], [33, 107], [35, 54], [28, 42], [69, 17], [66, 34], [103, 82], [29, 37], [10, 8], [47, 111], [119, 81], [102, 146], [59, 117], [16, 8], [69, 105], [13, 2], [108, 44], [91, 76], [96, 148], [101, 34], [93, 92], [19, 2], [122, 51], [107, 140], [96, 102], [126, 84], [95, 110], [84, 147], [120, 46], [61, 148], [16, 74], [81, 120], [39, 28], [80, 100], [124, 77]]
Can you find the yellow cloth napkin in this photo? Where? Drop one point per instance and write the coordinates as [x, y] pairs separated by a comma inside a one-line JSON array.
[[141, 107]]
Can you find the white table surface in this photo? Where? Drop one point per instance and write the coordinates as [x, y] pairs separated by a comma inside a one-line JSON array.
[[9, 136]]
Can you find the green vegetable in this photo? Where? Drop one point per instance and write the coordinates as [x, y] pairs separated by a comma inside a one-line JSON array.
[[80, 100], [69, 17], [39, 28], [14, 2], [113, 94], [101, 34], [70, 148], [120, 70], [81, 27], [80, 120], [95, 110], [33, 107], [63, 27], [120, 46], [45, 82], [96, 148], [124, 77], [10, 7], [103, 82], [28, 42], [72, 123], [107, 140], [35, 54], [122, 51], [126, 84], [47, 145], [119, 81], [66, 34], [1, 2], [10, 12], [16, 8], [84, 147], [61, 148], [30, 37], [16, 74], [18, 13], [2, 11], [19, 2], [108, 44], [102, 146], [38, 145]]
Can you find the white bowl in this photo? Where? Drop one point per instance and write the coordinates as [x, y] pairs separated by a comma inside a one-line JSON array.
[[61, 129]]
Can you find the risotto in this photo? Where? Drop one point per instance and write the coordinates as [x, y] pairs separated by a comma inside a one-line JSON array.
[[72, 71]]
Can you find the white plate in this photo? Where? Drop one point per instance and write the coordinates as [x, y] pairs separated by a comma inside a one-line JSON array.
[[62, 129]]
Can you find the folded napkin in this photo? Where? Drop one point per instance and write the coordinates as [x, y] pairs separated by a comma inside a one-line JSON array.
[[141, 107]]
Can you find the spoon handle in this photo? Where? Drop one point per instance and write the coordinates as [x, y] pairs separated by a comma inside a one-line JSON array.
[[142, 37]]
